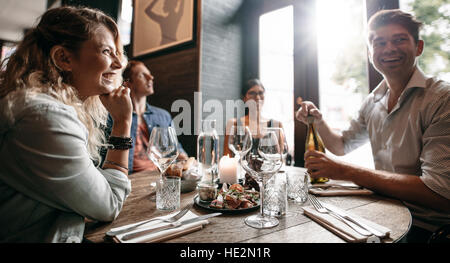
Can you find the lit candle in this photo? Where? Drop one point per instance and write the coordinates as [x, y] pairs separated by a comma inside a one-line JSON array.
[[228, 170]]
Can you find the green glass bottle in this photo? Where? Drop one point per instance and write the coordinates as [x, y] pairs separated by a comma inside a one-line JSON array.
[[314, 142]]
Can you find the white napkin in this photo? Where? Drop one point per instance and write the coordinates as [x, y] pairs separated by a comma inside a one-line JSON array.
[[338, 188], [340, 228], [161, 235]]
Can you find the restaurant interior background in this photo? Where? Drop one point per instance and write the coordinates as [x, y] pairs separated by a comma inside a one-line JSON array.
[[314, 49]]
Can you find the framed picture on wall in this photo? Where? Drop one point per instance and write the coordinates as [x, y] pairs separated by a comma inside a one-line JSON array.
[[161, 24]]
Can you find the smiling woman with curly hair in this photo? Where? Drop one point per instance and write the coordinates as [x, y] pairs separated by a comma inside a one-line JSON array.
[[55, 95]]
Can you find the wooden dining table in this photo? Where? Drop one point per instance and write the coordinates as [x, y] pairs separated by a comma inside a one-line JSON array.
[[231, 228]]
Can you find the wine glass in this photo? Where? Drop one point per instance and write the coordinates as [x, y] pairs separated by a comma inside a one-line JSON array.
[[262, 165], [239, 142], [282, 141], [283, 144], [162, 147]]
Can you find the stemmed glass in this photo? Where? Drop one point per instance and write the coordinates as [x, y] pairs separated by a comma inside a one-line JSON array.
[[163, 147], [239, 141], [262, 165], [283, 144]]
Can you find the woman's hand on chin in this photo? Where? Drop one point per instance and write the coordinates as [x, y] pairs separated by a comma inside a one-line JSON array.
[[118, 103]]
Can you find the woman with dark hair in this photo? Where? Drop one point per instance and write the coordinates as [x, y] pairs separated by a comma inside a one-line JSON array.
[[253, 96], [55, 95]]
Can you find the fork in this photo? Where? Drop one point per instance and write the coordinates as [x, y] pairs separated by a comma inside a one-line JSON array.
[[166, 220], [318, 206]]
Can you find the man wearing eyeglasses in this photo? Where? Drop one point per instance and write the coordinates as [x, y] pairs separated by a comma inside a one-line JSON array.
[[407, 120]]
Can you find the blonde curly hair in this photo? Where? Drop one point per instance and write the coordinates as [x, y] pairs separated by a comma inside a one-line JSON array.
[[31, 70]]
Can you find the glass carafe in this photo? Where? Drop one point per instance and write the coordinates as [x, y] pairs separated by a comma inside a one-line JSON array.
[[208, 152]]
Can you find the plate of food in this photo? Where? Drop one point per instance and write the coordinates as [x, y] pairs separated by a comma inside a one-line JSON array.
[[187, 170], [233, 199]]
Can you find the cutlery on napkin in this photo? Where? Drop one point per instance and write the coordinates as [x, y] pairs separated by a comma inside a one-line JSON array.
[[341, 229], [171, 225], [161, 235], [338, 188]]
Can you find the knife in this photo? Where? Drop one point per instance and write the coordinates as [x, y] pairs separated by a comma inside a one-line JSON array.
[[353, 220], [343, 186], [169, 226]]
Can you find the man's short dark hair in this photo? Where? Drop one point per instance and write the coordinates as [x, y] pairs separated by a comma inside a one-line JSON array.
[[395, 16], [127, 72]]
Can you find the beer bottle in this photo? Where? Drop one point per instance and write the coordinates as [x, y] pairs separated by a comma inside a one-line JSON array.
[[314, 142]]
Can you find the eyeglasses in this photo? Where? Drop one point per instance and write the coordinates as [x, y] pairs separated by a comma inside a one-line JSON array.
[[254, 93]]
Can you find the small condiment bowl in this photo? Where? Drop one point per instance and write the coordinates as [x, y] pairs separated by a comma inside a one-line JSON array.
[[207, 192]]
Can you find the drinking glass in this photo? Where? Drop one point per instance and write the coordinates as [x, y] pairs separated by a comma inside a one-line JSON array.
[[162, 147], [283, 143], [240, 143], [262, 164], [208, 152], [275, 195], [168, 193], [239, 140], [297, 186], [284, 152]]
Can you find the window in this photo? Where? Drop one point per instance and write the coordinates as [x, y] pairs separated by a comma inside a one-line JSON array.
[[276, 67], [124, 21], [435, 59], [342, 57]]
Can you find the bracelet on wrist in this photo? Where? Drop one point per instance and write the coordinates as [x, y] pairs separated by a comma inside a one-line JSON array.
[[116, 164], [120, 143]]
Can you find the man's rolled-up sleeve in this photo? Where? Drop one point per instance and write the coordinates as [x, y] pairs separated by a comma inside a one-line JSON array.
[[435, 156]]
